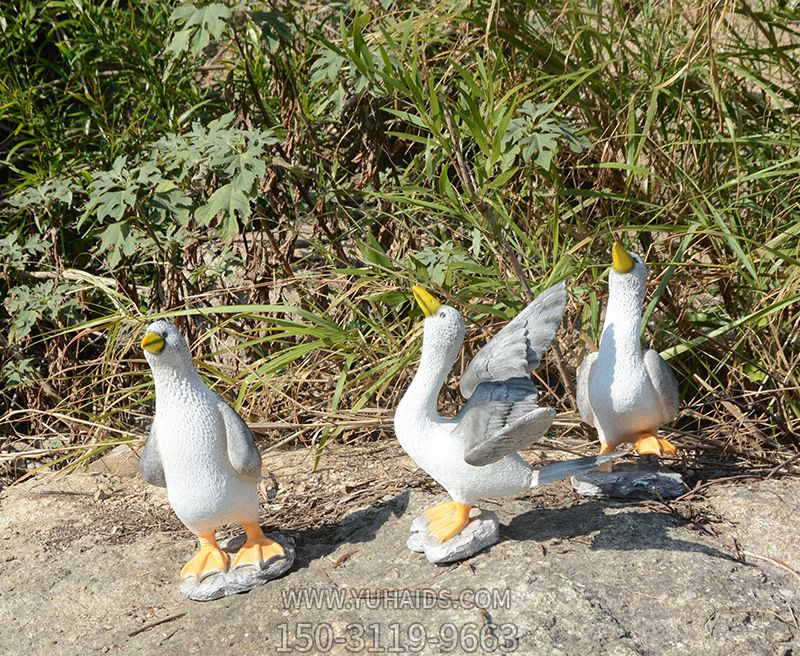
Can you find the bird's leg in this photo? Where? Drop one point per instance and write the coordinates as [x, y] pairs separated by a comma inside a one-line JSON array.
[[447, 519], [258, 549], [648, 443], [210, 559], [604, 449]]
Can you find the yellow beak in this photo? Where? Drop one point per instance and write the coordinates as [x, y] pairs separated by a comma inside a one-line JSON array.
[[620, 259], [153, 343], [427, 303]]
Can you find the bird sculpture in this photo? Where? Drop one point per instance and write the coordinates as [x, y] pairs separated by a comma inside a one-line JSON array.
[[473, 454], [204, 454], [624, 391]]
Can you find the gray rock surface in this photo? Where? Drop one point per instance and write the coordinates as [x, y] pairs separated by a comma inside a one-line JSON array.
[[90, 574], [482, 531], [242, 579], [764, 518], [634, 481]]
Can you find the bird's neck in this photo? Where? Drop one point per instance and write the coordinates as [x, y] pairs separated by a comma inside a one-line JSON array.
[[174, 385], [622, 324], [421, 397]]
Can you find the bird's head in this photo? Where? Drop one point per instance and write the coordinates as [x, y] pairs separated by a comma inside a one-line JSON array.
[[628, 271], [165, 348], [444, 325]]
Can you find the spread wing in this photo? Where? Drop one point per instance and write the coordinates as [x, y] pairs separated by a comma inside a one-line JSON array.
[[512, 390], [584, 406], [242, 452], [150, 462], [663, 379], [517, 349], [484, 448], [501, 420]]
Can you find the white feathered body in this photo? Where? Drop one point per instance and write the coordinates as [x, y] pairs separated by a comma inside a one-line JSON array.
[[621, 398], [203, 488], [500, 416], [428, 439]]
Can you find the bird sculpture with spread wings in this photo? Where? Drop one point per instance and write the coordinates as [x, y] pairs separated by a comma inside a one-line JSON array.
[[474, 454]]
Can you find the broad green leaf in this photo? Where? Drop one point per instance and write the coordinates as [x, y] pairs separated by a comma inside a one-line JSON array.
[[200, 24], [227, 199]]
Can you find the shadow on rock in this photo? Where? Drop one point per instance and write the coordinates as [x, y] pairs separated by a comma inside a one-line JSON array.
[[360, 526], [623, 531]]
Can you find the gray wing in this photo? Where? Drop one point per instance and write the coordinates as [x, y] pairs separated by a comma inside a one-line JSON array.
[[493, 430], [517, 349], [150, 462], [584, 406], [512, 390], [242, 452], [663, 379]]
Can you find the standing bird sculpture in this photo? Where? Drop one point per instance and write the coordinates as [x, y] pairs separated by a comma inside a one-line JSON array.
[[204, 454], [624, 391], [473, 454]]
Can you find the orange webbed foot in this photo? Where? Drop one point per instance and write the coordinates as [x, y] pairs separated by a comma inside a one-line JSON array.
[[257, 550], [210, 559], [649, 444], [447, 519]]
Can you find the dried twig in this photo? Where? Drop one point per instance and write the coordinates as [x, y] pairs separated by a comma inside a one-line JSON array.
[[147, 627], [775, 561]]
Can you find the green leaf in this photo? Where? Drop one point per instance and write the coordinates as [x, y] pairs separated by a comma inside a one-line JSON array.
[[200, 24], [179, 42], [373, 252], [502, 178], [227, 199], [546, 148], [275, 27], [117, 239]]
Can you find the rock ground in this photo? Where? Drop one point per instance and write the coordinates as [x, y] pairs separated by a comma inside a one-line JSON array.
[[90, 565]]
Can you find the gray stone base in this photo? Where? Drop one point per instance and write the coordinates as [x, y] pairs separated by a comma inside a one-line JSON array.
[[242, 579], [482, 531], [634, 481]]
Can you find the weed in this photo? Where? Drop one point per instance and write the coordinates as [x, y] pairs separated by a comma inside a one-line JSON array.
[[275, 180]]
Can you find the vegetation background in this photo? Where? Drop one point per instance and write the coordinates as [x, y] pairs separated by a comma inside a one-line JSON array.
[[274, 176]]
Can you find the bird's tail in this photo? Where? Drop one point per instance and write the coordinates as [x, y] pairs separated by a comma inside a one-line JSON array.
[[559, 470]]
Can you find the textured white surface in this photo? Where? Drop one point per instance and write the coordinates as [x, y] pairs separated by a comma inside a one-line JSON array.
[[501, 415], [617, 389], [203, 488], [426, 436]]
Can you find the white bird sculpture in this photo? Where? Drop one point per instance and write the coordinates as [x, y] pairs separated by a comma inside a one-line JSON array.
[[626, 392], [473, 455], [204, 454]]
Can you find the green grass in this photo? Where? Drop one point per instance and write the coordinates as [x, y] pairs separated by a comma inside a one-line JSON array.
[[483, 149]]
